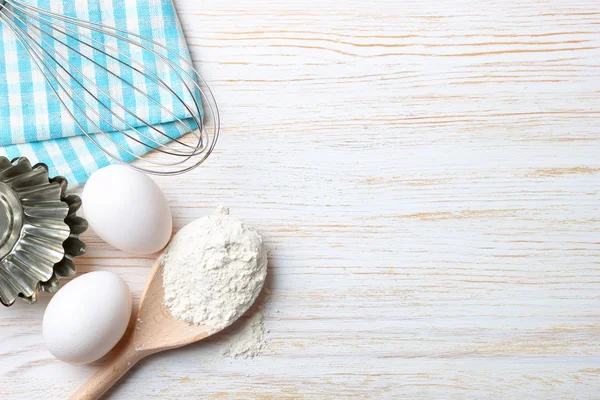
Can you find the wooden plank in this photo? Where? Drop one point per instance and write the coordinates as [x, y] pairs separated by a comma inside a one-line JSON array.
[[426, 177]]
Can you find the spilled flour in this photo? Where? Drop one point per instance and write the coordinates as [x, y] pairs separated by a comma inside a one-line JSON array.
[[251, 337], [250, 341]]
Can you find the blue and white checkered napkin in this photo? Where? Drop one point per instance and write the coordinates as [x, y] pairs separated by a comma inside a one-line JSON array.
[[33, 123]]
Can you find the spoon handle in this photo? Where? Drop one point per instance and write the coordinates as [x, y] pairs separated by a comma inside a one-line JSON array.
[[121, 362]]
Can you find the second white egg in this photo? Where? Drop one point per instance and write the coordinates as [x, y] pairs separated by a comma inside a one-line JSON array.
[[127, 210], [87, 317]]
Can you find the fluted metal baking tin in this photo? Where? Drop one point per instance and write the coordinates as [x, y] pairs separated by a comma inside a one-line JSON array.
[[39, 230]]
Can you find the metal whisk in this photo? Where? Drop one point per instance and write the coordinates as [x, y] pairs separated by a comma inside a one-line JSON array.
[[72, 53]]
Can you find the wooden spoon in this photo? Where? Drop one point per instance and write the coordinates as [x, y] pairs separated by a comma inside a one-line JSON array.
[[155, 330]]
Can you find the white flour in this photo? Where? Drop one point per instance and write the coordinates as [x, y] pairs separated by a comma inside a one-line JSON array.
[[214, 269], [250, 341], [250, 338]]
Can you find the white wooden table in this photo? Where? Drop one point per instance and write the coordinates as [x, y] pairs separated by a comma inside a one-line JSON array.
[[426, 176]]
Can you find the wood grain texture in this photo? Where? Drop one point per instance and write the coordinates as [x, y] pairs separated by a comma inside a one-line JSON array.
[[426, 176]]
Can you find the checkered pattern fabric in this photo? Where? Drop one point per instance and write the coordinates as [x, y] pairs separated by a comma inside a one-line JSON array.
[[33, 121]]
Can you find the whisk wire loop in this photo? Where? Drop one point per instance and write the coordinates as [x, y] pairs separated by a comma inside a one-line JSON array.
[[62, 80], [65, 49]]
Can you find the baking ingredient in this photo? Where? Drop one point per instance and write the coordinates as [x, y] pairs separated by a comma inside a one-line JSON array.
[[214, 269], [87, 317], [127, 210], [250, 340]]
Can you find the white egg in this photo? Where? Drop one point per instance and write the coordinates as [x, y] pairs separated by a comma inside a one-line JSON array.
[[87, 317], [127, 210]]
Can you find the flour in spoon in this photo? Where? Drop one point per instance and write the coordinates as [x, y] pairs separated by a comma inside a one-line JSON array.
[[214, 269]]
